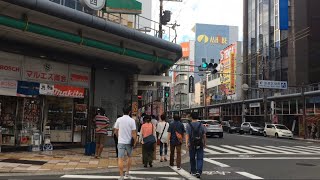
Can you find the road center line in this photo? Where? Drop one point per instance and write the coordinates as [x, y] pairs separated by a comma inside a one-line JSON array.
[[215, 162], [248, 175]]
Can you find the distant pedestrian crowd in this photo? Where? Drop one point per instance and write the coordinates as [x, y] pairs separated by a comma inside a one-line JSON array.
[[151, 131]]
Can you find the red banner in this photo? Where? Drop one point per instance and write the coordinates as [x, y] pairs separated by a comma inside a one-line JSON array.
[[68, 91]]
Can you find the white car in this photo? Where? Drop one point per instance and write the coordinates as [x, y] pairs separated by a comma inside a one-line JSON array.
[[277, 130], [213, 127]]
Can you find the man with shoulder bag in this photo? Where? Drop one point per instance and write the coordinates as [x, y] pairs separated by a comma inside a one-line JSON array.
[[196, 142], [175, 138]]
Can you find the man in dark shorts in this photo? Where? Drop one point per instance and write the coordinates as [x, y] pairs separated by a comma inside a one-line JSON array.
[[101, 122]]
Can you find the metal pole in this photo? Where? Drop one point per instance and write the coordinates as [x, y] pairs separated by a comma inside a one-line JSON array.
[[180, 104], [265, 106], [205, 100], [304, 112], [160, 17]]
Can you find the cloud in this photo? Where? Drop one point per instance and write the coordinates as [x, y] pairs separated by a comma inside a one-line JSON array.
[[190, 12]]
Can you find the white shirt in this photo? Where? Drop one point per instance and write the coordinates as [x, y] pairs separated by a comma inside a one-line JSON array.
[[160, 128], [125, 125], [154, 122]]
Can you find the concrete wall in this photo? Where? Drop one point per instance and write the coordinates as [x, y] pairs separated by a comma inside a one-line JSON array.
[[110, 92]]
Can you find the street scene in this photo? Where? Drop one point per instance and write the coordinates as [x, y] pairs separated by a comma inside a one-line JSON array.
[[159, 89]]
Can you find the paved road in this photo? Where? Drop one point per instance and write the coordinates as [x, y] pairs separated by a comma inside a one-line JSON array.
[[236, 157]]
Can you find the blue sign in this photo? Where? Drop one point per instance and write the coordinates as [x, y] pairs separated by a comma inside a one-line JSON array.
[[284, 14], [28, 88]]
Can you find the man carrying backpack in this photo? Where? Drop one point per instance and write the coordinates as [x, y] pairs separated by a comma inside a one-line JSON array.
[[195, 142]]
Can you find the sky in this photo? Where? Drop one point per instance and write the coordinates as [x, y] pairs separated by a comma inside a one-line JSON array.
[[189, 12]]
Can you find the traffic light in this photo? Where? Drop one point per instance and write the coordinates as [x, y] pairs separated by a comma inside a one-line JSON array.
[[166, 92], [213, 68], [204, 65], [166, 17]]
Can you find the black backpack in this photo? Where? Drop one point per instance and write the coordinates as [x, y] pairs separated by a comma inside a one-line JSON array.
[[196, 137]]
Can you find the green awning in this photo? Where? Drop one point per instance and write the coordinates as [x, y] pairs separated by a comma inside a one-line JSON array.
[[123, 6]]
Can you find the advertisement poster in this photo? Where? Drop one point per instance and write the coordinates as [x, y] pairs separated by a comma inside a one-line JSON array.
[[228, 64], [8, 87], [68, 91], [185, 49], [28, 89], [79, 76], [10, 66]]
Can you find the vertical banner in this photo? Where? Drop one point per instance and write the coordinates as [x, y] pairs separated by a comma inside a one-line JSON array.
[[191, 84], [134, 106]]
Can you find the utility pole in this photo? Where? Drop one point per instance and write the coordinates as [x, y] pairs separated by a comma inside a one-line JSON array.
[[160, 19]]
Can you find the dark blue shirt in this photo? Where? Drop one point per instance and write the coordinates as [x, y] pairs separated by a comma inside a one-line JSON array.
[[175, 126]]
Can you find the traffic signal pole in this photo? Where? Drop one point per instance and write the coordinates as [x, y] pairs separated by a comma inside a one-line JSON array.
[[160, 19]]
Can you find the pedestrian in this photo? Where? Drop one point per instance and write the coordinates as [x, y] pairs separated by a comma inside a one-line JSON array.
[[101, 124], [314, 130], [175, 139], [195, 143], [162, 131], [125, 129], [115, 138], [148, 134], [154, 120]]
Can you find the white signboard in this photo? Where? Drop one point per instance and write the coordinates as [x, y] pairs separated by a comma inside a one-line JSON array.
[[253, 105], [94, 4], [10, 66], [46, 89], [8, 87], [39, 70], [79, 76], [264, 84]]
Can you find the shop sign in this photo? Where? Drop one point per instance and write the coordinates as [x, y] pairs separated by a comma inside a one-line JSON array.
[[8, 87], [46, 89], [68, 91], [45, 71], [254, 105], [26, 89], [214, 112], [79, 76], [10, 66]]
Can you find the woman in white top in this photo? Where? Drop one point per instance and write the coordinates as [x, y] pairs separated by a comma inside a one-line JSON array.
[[162, 130]]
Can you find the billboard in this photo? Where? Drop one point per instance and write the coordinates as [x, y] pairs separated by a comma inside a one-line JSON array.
[[185, 49], [228, 68], [210, 40]]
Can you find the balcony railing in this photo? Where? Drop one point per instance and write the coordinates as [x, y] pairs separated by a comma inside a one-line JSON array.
[[137, 22]]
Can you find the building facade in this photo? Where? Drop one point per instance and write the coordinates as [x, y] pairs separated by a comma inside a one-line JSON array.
[[209, 41]]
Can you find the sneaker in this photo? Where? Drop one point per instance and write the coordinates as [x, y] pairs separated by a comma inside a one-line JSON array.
[[150, 164], [193, 174], [121, 178], [179, 168], [126, 174], [198, 175]]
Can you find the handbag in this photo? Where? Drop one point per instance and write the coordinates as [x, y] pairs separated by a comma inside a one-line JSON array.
[[178, 135], [159, 140], [149, 139]]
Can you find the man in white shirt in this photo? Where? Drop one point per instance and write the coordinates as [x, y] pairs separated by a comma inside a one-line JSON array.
[[125, 129]]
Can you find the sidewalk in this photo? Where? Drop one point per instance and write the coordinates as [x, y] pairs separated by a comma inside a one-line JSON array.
[[66, 161], [308, 140]]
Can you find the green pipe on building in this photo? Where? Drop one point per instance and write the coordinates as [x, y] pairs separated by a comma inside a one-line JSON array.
[[61, 35]]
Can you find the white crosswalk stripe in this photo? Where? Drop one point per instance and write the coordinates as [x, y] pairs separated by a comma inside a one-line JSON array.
[[256, 150]]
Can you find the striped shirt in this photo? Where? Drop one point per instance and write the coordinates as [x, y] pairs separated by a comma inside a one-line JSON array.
[[101, 121]]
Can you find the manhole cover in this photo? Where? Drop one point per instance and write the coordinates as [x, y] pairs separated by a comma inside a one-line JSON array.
[[305, 164]]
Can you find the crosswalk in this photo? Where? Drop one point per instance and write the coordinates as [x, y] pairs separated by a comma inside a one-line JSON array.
[[254, 150], [170, 174]]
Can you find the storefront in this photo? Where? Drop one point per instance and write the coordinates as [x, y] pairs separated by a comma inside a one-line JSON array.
[[38, 95]]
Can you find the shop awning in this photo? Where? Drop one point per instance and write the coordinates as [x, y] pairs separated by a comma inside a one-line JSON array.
[[123, 6]]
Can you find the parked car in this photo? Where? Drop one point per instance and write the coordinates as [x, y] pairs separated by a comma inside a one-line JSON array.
[[213, 127], [277, 130], [252, 128], [234, 128]]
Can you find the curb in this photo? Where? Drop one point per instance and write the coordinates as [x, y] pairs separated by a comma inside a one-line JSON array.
[[307, 140], [157, 164]]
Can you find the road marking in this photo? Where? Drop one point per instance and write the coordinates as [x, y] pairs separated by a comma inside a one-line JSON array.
[[215, 162], [288, 149], [309, 147], [272, 149], [270, 139], [264, 158], [224, 150], [153, 173], [310, 151], [95, 177], [257, 150], [239, 149], [248, 175], [184, 173], [211, 151]]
